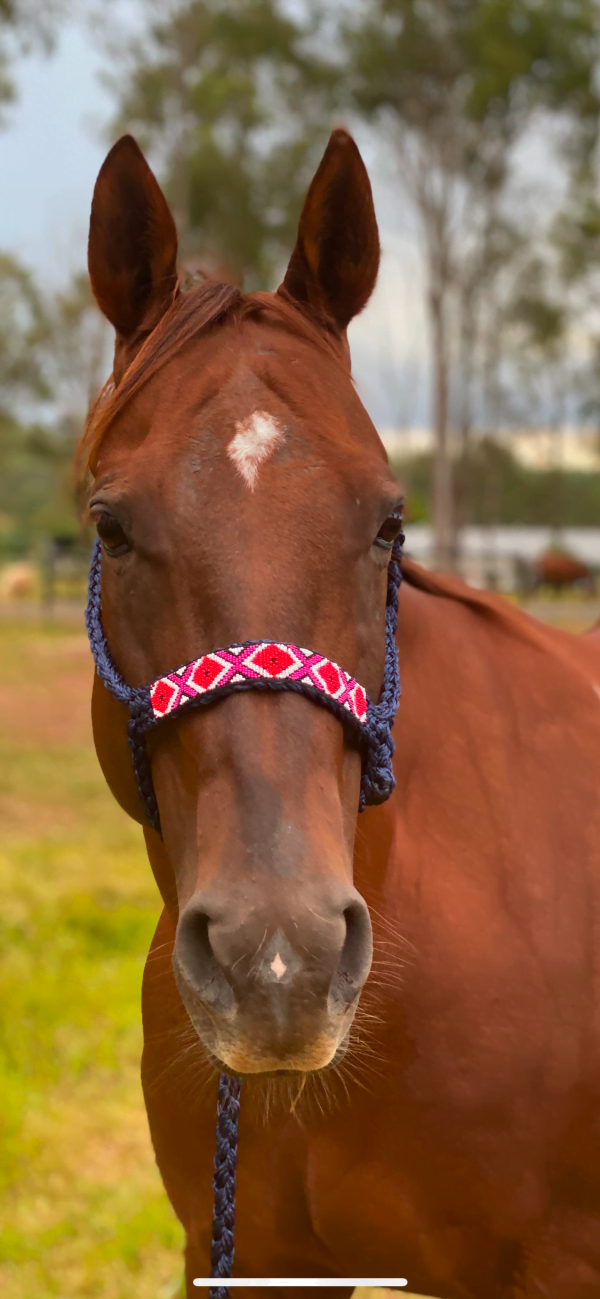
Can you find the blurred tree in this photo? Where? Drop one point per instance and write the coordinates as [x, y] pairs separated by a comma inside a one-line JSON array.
[[22, 382], [480, 309], [576, 242], [229, 103], [23, 330], [536, 322], [76, 358], [25, 24], [54, 355], [520, 495], [77, 355], [456, 84], [25, 386]]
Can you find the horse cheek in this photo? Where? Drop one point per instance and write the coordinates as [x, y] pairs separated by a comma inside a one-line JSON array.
[[109, 725]]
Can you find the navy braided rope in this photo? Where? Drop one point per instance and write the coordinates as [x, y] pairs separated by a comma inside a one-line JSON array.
[[136, 697], [228, 1113], [378, 774]]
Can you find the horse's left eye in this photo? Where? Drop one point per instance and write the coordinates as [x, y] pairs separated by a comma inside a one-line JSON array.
[[389, 531]]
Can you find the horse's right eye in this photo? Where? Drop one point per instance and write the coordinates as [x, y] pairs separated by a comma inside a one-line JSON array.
[[111, 534]]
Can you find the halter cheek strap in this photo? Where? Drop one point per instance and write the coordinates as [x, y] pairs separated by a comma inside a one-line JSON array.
[[258, 665]]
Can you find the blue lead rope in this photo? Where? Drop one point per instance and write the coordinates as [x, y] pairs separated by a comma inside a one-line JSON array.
[[222, 1248]]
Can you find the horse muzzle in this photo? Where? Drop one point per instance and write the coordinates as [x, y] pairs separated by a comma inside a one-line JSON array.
[[269, 990]]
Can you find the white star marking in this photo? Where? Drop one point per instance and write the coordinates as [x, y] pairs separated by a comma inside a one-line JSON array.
[[278, 966], [255, 439]]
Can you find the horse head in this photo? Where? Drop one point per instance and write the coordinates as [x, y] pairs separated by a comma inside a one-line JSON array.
[[240, 492]]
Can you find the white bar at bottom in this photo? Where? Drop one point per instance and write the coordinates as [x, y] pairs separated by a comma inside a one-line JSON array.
[[383, 1281]]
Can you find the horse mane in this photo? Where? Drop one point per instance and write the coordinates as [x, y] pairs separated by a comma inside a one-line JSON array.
[[494, 608], [192, 312], [453, 588]]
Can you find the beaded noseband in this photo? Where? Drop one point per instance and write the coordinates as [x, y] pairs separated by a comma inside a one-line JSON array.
[[262, 665]]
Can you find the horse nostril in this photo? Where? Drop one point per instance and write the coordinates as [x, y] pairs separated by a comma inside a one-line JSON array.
[[208, 964], [196, 960], [356, 955]]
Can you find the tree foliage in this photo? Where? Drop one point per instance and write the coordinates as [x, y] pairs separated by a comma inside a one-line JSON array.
[[465, 77], [25, 25], [456, 85], [233, 103], [22, 332], [229, 104], [498, 490], [54, 354]]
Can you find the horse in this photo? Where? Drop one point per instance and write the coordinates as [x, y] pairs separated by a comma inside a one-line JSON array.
[[562, 572], [444, 1126]]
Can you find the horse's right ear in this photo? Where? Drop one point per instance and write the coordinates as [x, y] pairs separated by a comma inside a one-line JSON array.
[[132, 249]]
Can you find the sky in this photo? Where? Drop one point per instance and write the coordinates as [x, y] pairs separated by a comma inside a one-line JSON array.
[[53, 143], [50, 153]]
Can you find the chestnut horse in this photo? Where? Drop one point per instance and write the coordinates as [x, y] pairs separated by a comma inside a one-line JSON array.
[[561, 571], [451, 1133]]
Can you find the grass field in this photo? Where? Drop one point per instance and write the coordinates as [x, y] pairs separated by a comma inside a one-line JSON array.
[[82, 1207]]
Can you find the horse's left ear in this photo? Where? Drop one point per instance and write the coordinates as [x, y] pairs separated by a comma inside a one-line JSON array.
[[334, 265]]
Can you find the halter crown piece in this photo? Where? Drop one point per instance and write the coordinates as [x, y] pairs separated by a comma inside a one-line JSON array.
[[253, 665]]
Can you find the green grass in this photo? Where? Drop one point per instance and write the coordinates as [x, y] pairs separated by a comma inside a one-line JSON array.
[[82, 1207]]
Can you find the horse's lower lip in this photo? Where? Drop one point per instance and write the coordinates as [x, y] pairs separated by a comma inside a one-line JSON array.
[[280, 1073]]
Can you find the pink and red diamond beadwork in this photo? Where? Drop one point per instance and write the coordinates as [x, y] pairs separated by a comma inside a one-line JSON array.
[[265, 660]]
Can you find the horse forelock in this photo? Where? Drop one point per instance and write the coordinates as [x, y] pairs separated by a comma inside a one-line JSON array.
[[192, 313]]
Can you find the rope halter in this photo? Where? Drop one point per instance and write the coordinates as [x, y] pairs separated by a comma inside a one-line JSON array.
[[253, 665], [257, 665]]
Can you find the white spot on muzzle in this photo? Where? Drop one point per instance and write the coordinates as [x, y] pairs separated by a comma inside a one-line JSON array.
[[255, 439], [278, 966]]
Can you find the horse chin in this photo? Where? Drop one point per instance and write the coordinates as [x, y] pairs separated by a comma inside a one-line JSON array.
[[284, 1072], [325, 1054], [241, 1063]]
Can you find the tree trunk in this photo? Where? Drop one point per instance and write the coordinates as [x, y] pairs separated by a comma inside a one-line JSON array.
[[463, 470], [442, 502]]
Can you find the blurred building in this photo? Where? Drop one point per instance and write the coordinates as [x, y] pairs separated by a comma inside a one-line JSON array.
[[571, 447]]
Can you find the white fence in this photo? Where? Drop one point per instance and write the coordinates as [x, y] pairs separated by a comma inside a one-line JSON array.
[[495, 556]]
